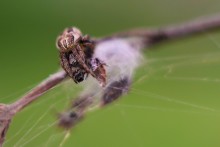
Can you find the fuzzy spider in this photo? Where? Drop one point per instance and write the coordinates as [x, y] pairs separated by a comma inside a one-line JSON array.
[[76, 56], [80, 56]]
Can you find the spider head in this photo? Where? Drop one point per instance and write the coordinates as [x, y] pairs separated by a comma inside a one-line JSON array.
[[68, 39]]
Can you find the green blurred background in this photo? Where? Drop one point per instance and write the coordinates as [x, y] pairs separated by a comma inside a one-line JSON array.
[[174, 101]]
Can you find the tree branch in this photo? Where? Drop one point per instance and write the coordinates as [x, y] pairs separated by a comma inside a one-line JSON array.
[[155, 36], [147, 36], [8, 111], [40, 89]]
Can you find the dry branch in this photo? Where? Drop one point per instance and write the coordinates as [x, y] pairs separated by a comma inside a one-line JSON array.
[[8, 111], [152, 36], [148, 37]]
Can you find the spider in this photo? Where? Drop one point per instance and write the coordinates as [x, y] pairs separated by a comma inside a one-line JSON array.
[[80, 56], [76, 56]]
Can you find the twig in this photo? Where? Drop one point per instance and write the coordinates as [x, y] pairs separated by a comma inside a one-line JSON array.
[[8, 111], [155, 36], [40, 89], [147, 36]]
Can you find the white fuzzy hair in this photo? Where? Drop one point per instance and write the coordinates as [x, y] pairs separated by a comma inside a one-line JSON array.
[[120, 56], [121, 59]]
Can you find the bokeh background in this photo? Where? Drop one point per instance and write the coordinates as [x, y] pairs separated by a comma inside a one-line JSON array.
[[174, 100]]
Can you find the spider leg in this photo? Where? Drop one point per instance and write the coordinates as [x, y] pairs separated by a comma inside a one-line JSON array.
[[86, 38], [115, 90], [65, 63], [81, 60], [87, 42]]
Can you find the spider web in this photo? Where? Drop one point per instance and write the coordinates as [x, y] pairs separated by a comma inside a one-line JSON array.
[[174, 101]]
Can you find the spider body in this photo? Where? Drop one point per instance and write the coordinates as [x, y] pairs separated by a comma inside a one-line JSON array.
[[76, 55]]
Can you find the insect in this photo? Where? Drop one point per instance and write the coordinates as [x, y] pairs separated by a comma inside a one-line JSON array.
[[76, 56]]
